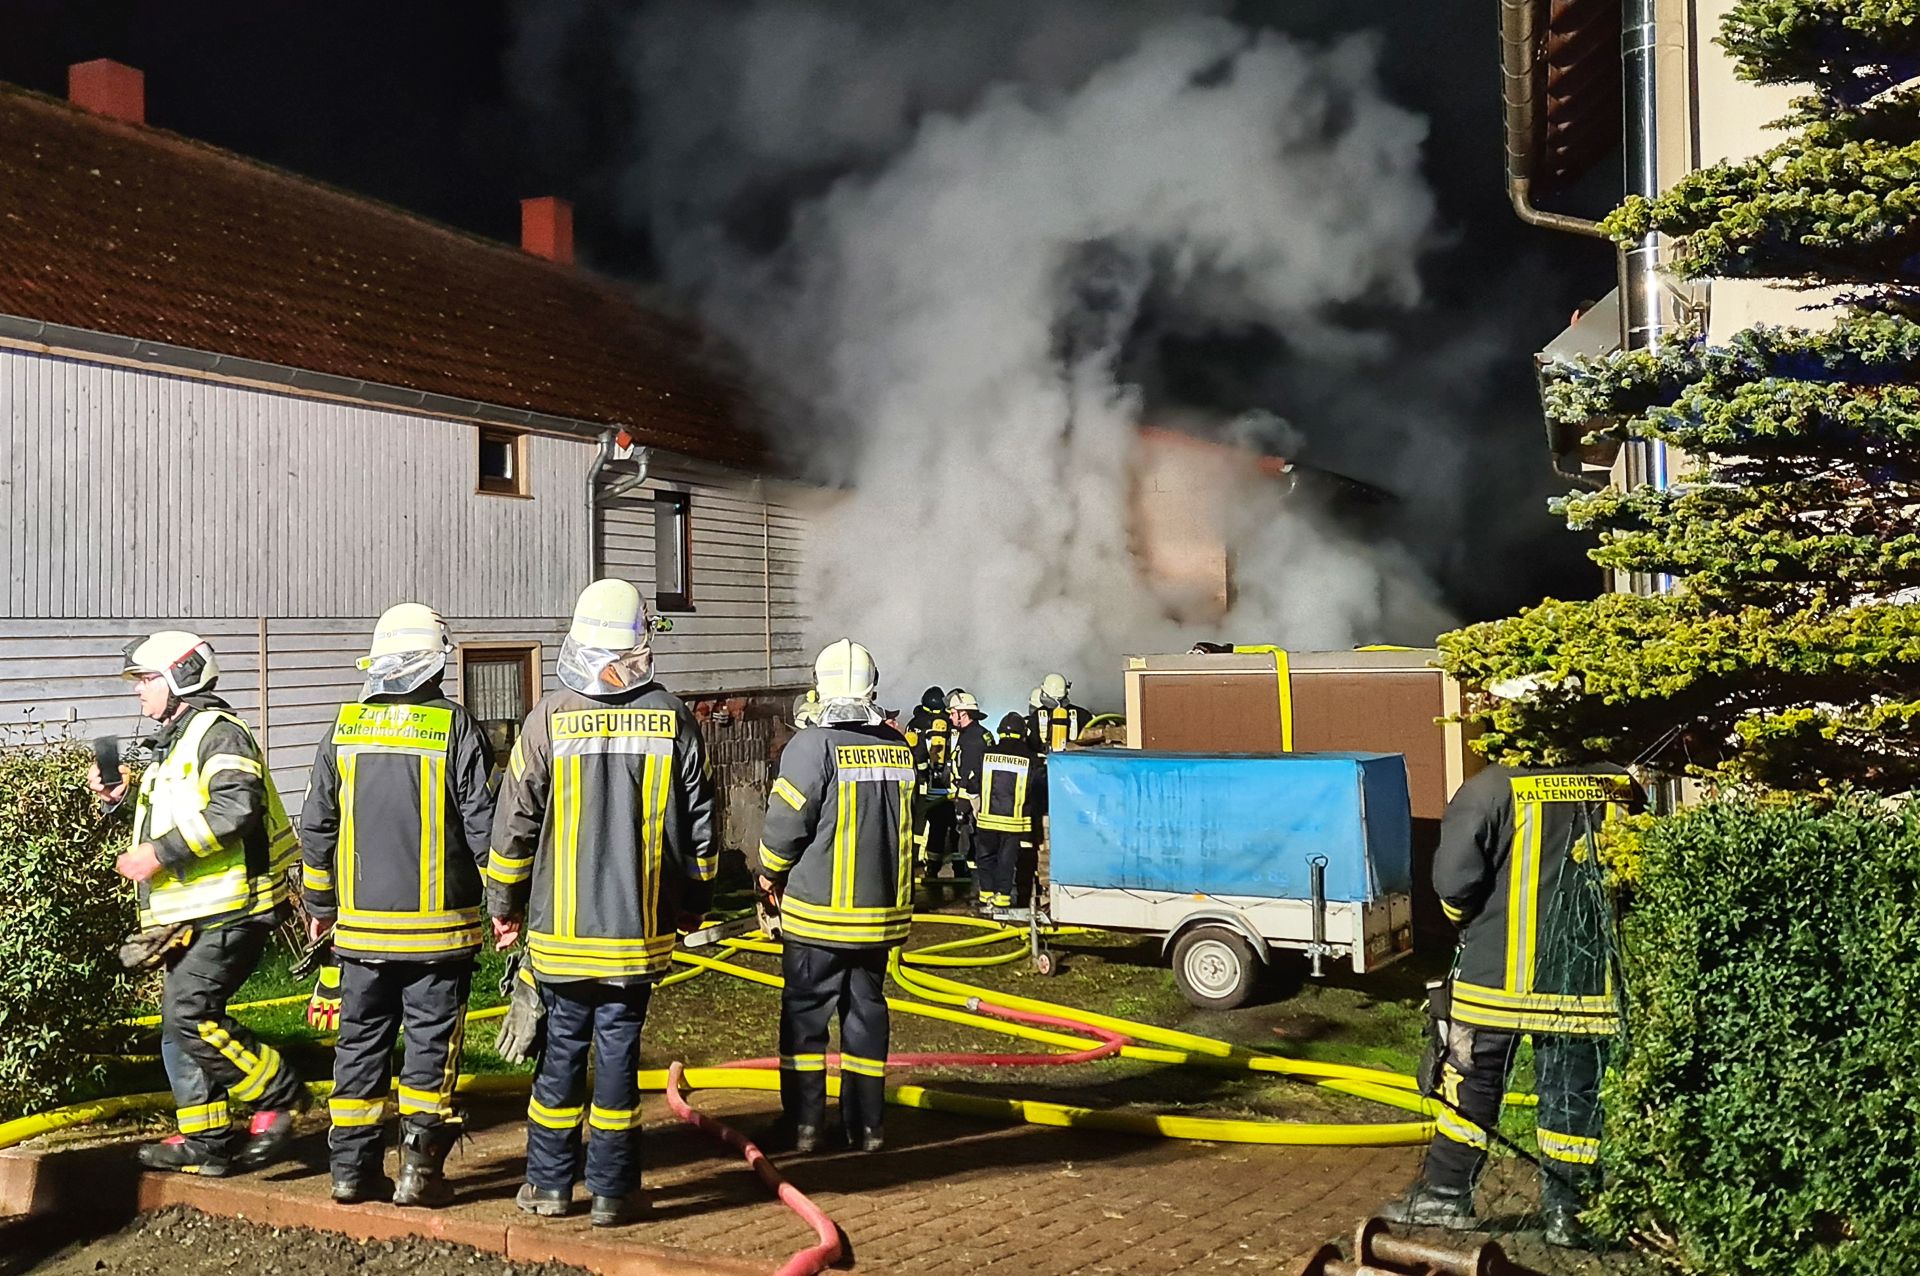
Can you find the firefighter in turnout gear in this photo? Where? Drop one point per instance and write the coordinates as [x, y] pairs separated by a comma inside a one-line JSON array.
[[1057, 721], [837, 852], [1013, 797], [1516, 870], [394, 834], [211, 853], [603, 847], [930, 736], [971, 740]]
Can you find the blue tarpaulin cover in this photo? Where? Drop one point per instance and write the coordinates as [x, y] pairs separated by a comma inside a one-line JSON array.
[[1231, 823]]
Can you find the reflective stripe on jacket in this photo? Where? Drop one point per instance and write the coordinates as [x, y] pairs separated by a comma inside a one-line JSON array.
[[1515, 869], [395, 829], [210, 807], [1012, 788], [840, 828], [604, 834]]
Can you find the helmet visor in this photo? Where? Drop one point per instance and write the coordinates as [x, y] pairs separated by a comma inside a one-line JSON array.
[[600, 671], [400, 672]]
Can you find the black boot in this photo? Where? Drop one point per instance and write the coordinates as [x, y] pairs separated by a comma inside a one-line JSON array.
[[1425, 1205], [423, 1156], [1562, 1225], [786, 1135], [177, 1153], [269, 1132], [547, 1202], [353, 1184], [615, 1211], [871, 1139]]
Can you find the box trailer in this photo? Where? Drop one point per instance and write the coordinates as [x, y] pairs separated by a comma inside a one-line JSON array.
[[1229, 856]]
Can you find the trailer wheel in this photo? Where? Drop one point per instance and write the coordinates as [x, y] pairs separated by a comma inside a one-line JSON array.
[[1044, 963], [1215, 968]]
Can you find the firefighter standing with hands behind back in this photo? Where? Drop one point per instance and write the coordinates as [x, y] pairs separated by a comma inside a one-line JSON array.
[[603, 846], [211, 850], [395, 833], [837, 853]]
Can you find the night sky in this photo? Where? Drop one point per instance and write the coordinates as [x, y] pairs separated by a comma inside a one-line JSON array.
[[409, 102]]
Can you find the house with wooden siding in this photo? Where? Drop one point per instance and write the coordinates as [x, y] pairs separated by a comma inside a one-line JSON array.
[[240, 402]]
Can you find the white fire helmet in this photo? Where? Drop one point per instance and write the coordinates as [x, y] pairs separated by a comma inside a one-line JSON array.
[[410, 649], [1053, 687], [806, 709], [185, 661], [844, 671], [609, 648], [963, 702]]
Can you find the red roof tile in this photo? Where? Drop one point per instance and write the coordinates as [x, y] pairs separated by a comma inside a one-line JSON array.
[[137, 232]]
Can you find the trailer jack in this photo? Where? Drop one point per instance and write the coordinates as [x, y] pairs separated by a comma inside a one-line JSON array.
[[1378, 1252]]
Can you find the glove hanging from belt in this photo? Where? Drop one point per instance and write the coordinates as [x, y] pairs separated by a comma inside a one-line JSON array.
[[155, 946], [524, 1029]]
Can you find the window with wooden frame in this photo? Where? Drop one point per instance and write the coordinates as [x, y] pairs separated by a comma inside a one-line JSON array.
[[499, 683], [672, 551], [502, 462]]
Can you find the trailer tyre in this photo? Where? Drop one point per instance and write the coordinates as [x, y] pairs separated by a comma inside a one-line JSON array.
[[1215, 967]]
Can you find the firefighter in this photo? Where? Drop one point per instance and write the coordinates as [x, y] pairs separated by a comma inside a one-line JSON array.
[[930, 735], [971, 740], [211, 851], [1057, 721], [1013, 797], [837, 853], [603, 846], [1515, 869], [394, 834]]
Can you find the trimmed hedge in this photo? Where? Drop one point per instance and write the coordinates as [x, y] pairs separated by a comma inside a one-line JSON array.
[[1766, 1115], [63, 913]]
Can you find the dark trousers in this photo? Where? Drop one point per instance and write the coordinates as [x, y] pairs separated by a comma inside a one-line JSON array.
[[935, 834], [1567, 1071], [209, 1057], [376, 999], [1000, 859], [818, 982], [588, 1015]]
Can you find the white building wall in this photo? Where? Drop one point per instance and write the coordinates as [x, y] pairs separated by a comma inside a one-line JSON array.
[[132, 500]]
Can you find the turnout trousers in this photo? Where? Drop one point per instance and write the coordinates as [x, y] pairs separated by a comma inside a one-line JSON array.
[[1473, 1082], [588, 1016], [1004, 865], [209, 1057], [933, 830], [377, 999], [820, 981]]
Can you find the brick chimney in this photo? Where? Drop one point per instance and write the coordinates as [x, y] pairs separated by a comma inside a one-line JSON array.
[[546, 228], [106, 87]]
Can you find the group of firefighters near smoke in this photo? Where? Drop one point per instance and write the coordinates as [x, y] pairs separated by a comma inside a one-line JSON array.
[[599, 850]]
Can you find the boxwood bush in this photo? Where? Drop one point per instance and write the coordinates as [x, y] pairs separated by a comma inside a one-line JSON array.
[[63, 912], [1766, 1114]]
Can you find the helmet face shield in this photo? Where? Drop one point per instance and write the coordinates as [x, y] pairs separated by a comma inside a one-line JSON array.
[[184, 661], [601, 671], [400, 672]]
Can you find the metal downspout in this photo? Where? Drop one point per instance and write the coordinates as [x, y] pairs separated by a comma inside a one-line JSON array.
[[600, 460], [1645, 300], [1520, 42]]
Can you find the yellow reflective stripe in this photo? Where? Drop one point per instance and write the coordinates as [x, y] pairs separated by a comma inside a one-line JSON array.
[[202, 1118], [517, 760], [508, 869], [772, 862], [868, 913], [315, 879], [1554, 1021], [1454, 915], [1523, 888], [433, 794], [1574, 1148], [1459, 1129], [355, 1112], [415, 1100], [343, 853], [1569, 1003], [804, 1062], [903, 869], [612, 1118], [863, 1067], [228, 762], [844, 933], [570, 918], [553, 1118], [589, 944], [347, 939], [256, 1069], [788, 792], [845, 837]]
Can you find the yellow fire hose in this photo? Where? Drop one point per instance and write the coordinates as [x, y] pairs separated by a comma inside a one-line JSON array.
[[947, 999]]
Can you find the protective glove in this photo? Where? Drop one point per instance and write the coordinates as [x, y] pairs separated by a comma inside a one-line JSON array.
[[524, 1029], [323, 1008], [155, 946]]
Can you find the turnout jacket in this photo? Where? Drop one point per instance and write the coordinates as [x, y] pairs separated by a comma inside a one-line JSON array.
[[839, 828], [1057, 726], [970, 745], [394, 831], [1515, 870], [1013, 788], [604, 834], [208, 805], [930, 735]]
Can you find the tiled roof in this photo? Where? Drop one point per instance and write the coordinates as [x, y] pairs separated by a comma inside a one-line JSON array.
[[130, 230]]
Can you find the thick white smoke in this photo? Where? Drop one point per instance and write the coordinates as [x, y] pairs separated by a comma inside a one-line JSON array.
[[949, 317]]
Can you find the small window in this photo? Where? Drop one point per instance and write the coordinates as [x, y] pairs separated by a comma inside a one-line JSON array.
[[672, 552], [503, 469], [499, 683]]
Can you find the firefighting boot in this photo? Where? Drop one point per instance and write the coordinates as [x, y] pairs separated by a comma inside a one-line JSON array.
[[1426, 1205], [177, 1153], [353, 1184], [423, 1157], [547, 1202], [617, 1211], [270, 1131]]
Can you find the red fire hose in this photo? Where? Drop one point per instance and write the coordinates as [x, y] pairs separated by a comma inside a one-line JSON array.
[[805, 1262]]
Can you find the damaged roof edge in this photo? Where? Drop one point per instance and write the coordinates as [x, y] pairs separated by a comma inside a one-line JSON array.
[[57, 339]]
